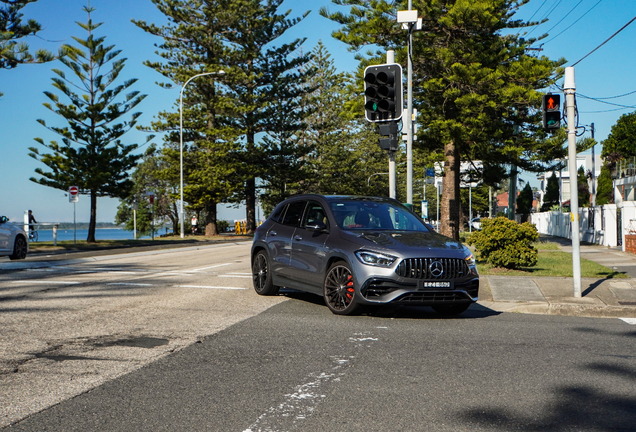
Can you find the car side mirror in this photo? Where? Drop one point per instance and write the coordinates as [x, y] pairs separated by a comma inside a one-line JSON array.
[[4, 219], [317, 226]]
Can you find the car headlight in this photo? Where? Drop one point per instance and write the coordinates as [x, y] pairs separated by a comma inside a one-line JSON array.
[[375, 258], [470, 258]]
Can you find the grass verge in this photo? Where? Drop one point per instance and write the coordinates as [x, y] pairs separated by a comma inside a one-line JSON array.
[[554, 264]]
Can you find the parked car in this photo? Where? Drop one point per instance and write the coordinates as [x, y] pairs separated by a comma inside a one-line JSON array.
[[476, 223], [357, 251], [13, 240]]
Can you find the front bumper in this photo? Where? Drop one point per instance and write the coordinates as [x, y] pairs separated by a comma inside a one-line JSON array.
[[383, 291]]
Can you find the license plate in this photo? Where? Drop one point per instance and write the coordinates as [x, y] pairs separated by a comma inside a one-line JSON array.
[[435, 284]]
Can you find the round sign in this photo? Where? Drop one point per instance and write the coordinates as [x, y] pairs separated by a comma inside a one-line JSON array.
[[73, 190]]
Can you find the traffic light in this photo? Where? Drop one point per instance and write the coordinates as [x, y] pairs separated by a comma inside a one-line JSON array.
[[551, 112], [383, 92]]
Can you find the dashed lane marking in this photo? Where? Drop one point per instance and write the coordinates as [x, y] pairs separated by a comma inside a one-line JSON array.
[[130, 284], [630, 321], [235, 276], [44, 282], [208, 287]]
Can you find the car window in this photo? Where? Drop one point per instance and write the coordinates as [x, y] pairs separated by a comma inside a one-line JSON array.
[[376, 215], [315, 213], [278, 213], [293, 213]]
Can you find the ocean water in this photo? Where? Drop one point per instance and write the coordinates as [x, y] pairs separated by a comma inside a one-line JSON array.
[[82, 234]]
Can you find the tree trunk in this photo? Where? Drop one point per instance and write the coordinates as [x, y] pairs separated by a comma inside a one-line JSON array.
[[210, 221], [91, 225], [250, 205], [450, 200]]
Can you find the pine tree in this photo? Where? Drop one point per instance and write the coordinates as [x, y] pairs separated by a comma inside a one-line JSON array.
[[12, 52], [475, 89], [91, 155], [258, 67], [524, 202], [552, 194], [622, 138], [605, 189], [193, 45], [583, 188]]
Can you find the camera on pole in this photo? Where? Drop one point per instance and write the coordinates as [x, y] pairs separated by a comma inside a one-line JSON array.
[[383, 93], [551, 108]]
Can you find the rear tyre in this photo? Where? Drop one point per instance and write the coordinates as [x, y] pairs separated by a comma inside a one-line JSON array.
[[339, 289], [19, 249], [262, 276], [451, 309]]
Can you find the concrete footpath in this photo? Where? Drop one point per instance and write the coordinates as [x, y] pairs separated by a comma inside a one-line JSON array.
[[555, 295], [539, 295]]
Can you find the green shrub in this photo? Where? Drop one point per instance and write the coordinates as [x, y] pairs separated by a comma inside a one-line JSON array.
[[505, 243]]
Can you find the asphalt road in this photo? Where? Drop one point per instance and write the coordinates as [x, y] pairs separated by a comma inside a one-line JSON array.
[[287, 364]]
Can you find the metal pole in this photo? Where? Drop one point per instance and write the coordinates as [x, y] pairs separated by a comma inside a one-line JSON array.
[[569, 88], [181, 223], [593, 190], [390, 58], [470, 207], [134, 224], [409, 122], [74, 225]]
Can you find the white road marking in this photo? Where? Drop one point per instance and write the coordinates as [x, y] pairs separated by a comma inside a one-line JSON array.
[[129, 284], [236, 273], [630, 321], [210, 267], [45, 282], [235, 276], [208, 287]]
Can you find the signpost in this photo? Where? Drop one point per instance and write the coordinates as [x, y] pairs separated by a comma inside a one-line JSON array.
[[73, 196]]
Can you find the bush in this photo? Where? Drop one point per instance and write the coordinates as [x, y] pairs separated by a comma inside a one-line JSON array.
[[505, 243]]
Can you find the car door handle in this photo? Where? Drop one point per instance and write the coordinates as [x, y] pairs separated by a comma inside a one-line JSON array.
[[298, 238], [273, 233]]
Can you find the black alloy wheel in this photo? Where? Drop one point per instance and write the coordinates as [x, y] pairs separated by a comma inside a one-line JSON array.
[[19, 249], [338, 289], [261, 275], [451, 309]]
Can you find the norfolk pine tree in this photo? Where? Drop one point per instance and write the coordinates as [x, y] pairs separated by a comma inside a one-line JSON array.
[[12, 52], [193, 44], [474, 86], [257, 66], [91, 155]]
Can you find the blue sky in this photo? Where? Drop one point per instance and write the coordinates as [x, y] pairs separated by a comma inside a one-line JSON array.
[[607, 72]]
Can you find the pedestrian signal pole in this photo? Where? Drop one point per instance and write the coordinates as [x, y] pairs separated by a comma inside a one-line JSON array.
[[569, 88]]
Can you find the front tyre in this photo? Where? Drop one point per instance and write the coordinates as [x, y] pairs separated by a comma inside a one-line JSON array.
[[262, 276], [451, 309], [338, 289], [19, 249]]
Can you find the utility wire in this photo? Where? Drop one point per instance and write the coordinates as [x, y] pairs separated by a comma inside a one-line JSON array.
[[607, 40], [535, 12], [567, 28], [565, 16], [608, 103], [611, 97], [545, 16]]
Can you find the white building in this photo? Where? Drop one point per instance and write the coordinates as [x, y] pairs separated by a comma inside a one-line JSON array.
[[582, 160]]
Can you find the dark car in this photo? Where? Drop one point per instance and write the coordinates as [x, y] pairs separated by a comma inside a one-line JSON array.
[[357, 251]]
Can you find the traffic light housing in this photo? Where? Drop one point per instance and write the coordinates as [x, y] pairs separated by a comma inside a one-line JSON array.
[[551, 108], [383, 93]]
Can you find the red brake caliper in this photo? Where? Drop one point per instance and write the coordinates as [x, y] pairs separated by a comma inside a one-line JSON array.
[[349, 287]]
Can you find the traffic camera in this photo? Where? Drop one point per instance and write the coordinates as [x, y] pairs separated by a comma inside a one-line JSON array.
[[383, 93]]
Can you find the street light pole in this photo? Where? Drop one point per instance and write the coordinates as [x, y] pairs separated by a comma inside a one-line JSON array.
[[181, 222]]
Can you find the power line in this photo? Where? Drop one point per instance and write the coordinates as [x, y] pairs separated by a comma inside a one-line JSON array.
[[607, 103], [610, 97], [535, 12], [607, 40], [567, 28], [545, 16], [565, 16]]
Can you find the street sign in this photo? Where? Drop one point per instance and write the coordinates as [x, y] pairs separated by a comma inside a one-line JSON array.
[[73, 194]]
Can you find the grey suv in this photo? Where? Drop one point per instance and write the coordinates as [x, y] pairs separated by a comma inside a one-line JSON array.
[[361, 251]]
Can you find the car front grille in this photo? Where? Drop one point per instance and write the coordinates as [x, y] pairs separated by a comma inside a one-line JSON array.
[[420, 268], [435, 297]]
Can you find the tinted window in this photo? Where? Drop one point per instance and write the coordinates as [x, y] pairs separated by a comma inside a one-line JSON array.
[[376, 215], [293, 213], [315, 213], [278, 213]]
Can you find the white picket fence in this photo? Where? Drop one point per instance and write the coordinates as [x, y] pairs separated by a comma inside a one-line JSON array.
[[599, 225]]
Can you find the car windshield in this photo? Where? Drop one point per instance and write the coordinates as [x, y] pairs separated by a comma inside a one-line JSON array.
[[354, 214]]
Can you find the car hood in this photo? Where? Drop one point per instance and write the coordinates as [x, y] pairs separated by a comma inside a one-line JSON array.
[[404, 240]]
